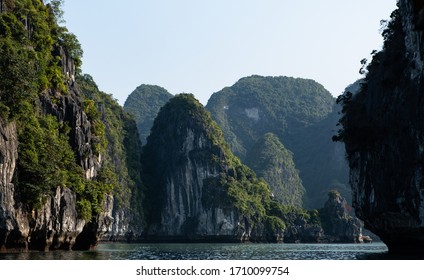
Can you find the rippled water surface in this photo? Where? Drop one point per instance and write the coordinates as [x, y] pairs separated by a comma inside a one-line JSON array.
[[120, 251]]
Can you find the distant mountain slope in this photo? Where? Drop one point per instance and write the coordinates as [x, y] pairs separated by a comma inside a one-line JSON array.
[[300, 112], [144, 104], [273, 162], [256, 105]]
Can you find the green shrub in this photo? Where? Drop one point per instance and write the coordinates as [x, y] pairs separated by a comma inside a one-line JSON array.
[[84, 209]]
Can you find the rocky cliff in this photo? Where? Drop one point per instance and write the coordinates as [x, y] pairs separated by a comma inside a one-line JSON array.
[[337, 221], [57, 222], [196, 188], [123, 213], [54, 225], [384, 134], [58, 186]]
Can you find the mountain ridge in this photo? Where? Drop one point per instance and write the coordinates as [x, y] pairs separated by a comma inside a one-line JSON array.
[[300, 112]]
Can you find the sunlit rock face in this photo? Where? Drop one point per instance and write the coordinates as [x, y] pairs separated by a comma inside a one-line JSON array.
[[56, 223], [383, 130], [44, 204]]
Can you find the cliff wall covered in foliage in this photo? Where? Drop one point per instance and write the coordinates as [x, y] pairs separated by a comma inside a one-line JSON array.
[[58, 188]]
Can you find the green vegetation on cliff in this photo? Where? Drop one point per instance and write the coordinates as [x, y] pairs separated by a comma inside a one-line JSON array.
[[30, 62], [273, 162], [120, 146], [30, 40], [46, 159], [144, 104], [38, 60]]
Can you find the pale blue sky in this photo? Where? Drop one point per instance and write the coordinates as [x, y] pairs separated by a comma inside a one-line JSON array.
[[200, 47]]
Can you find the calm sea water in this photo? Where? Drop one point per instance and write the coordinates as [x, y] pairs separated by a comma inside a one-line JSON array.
[[121, 251]]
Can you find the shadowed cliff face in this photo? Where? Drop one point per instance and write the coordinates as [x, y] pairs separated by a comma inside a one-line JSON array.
[[383, 130]]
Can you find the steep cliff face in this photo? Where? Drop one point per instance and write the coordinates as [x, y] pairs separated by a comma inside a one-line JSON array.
[[58, 187], [384, 133], [68, 109], [196, 188], [123, 215], [55, 225], [8, 157]]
